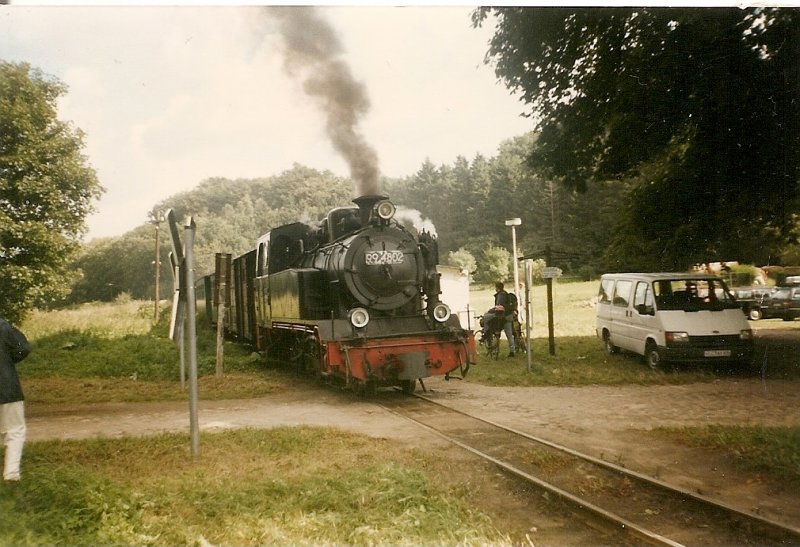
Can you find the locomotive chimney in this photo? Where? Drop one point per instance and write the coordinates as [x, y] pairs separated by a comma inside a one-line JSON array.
[[366, 204]]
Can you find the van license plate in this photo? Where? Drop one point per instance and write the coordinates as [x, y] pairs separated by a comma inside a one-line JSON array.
[[717, 353]]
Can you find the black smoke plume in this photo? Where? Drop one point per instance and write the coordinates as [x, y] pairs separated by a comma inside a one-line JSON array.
[[313, 55]]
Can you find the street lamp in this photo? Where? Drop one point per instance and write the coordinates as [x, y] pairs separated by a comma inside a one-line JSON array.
[[514, 222], [158, 218]]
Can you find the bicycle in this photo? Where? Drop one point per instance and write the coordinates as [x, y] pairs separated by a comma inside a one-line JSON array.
[[490, 340]]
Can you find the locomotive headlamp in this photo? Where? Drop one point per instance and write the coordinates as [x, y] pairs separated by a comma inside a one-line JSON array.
[[386, 209], [441, 312], [359, 317]]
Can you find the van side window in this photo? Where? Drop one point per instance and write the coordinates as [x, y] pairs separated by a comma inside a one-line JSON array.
[[622, 293], [604, 296], [643, 296]]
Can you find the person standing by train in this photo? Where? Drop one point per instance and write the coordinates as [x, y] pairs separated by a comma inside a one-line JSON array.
[[14, 347], [502, 298]]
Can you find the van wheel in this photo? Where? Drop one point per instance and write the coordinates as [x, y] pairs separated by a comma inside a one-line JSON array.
[[610, 347], [755, 314], [652, 356]]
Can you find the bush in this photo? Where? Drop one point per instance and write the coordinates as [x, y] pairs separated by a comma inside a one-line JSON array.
[[494, 266], [741, 275], [464, 260]]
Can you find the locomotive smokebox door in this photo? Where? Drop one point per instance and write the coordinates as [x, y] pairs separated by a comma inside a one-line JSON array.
[[383, 269], [413, 365]]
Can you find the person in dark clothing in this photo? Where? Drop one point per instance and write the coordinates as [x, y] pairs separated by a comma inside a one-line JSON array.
[[501, 300], [14, 347]]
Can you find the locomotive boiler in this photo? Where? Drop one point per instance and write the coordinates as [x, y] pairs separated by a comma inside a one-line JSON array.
[[354, 299]]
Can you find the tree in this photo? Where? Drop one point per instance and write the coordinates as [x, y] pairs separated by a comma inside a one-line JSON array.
[[46, 191], [697, 106], [230, 216], [463, 260], [109, 267], [494, 265]]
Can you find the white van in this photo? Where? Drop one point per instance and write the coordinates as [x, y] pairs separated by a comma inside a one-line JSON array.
[[685, 317]]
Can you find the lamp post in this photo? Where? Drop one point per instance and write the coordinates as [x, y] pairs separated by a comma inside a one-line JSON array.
[[158, 218], [514, 222]]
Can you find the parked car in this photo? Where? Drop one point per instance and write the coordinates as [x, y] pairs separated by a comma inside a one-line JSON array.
[[752, 300], [681, 317], [783, 302]]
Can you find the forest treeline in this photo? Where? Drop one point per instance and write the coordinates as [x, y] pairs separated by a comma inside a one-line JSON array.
[[467, 202]]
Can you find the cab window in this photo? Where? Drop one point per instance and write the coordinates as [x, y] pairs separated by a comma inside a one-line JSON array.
[[261, 264], [643, 298]]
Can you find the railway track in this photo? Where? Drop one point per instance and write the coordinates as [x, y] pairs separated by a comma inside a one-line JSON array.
[[642, 509]]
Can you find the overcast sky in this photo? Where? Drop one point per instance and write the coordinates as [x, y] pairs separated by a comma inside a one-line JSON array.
[[169, 96]]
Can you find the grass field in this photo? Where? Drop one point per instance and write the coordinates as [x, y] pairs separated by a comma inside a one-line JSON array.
[[251, 487]]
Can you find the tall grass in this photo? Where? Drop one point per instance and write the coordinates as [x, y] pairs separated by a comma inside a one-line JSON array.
[[250, 487], [112, 352], [124, 317]]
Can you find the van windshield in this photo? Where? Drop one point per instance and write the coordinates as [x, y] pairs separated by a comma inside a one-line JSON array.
[[692, 294]]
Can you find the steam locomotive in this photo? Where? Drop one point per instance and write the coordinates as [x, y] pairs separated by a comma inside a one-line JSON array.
[[354, 299]]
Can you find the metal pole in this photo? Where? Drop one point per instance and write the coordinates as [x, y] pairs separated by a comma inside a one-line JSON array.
[[528, 311], [514, 222], [220, 335], [158, 268], [550, 334], [183, 354], [191, 329], [516, 263]]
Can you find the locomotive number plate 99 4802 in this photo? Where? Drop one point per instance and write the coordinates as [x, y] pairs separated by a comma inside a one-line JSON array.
[[384, 257]]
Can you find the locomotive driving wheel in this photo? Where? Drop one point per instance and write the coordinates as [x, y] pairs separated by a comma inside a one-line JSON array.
[[408, 386], [305, 354]]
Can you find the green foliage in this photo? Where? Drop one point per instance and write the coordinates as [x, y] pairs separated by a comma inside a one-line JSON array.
[[110, 267], [82, 354], [696, 108], [47, 189], [494, 265], [741, 275], [230, 215], [249, 487], [463, 260], [488, 191]]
